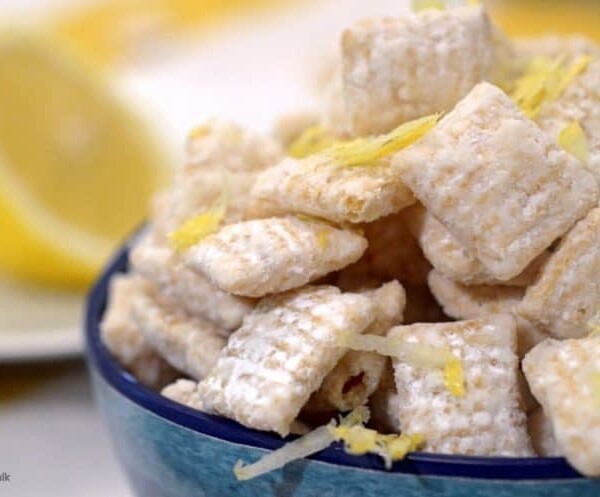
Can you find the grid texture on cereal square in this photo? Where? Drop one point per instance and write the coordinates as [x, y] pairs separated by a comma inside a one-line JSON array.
[[448, 256], [319, 187], [264, 256], [121, 335], [498, 183], [566, 297], [399, 69], [487, 420], [469, 302], [281, 354], [220, 155], [193, 291], [579, 102], [189, 344]]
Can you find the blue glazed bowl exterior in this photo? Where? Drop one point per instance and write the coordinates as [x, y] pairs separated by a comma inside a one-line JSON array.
[[169, 450]]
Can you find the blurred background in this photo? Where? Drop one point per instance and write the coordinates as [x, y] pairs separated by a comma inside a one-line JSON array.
[[96, 99]]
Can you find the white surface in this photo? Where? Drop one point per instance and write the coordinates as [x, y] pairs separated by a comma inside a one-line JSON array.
[[53, 444], [38, 324]]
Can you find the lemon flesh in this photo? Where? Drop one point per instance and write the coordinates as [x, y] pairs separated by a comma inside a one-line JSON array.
[[76, 169]]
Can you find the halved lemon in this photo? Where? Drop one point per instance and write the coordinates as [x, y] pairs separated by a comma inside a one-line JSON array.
[[76, 168]]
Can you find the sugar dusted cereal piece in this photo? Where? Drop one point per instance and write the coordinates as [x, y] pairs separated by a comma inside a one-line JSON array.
[[580, 103], [487, 420], [564, 376], [184, 392], [502, 199], [272, 255], [542, 434], [319, 187], [281, 355], [398, 69], [192, 291], [220, 156], [567, 294], [464, 302], [357, 375], [393, 252], [225, 145], [449, 257], [124, 339], [468, 302], [189, 344]]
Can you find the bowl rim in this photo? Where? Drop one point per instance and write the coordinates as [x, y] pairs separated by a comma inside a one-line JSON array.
[[418, 463]]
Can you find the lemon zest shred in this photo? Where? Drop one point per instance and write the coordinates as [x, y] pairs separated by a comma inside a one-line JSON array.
[[311, 443], [544, 80], [575, 69], [421, 5], [359, 440], [197, 228], [313, 139], [454, 377], [418, 355], [364, 151], [198, 132], [323, 239], [594, 328], [572, 138]]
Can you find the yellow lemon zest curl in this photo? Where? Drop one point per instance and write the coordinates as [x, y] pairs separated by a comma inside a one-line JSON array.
[[572, 139], [370, 150], [418, 355], [198, 227], [544, 80], [313, 140], [350, 430]]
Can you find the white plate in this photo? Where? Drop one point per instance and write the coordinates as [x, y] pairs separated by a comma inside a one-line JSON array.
[[38, 324]]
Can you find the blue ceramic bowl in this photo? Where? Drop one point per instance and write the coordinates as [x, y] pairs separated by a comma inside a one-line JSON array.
[[169, 450]]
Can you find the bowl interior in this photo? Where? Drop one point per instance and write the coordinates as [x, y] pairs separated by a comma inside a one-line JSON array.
[[416, 463]]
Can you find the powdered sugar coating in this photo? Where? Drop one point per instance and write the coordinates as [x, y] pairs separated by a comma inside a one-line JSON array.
[[317, 186], [564, 376], [121, 335], [264, 256], [487, 420], [504, 200], [579, 102], [567, 294], [281, 355], [449, 257], [468, 302], [189, 344], [190, 289], [183, 391], [399, 69]]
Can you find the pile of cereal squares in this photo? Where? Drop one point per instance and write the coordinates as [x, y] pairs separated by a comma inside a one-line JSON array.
[[423, 253]]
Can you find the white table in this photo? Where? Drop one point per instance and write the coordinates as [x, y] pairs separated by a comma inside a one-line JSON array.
[[52, 441]]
